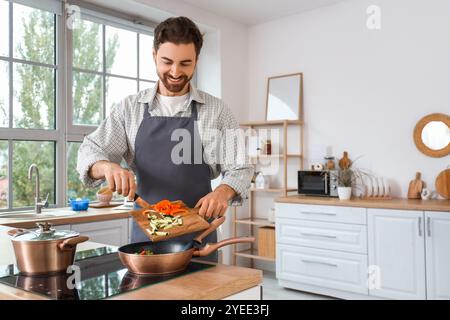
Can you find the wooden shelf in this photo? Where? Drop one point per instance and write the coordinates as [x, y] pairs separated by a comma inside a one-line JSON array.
[[270, 123], [283, 157], [252, 254], [256, 222]]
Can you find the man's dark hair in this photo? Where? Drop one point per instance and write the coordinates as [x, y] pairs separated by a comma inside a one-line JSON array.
[[178, 30]]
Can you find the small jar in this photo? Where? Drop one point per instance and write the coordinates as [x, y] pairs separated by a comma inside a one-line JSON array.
[[268, 147]]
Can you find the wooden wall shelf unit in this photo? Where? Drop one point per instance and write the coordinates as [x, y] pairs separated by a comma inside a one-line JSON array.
[[253, 222]]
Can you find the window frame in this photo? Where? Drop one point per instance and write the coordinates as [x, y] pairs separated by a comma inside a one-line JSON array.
[[64, 130]]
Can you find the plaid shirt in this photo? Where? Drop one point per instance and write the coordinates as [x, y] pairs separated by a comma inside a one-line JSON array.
[[114, 139]]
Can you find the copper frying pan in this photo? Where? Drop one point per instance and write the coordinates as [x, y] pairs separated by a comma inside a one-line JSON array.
[[173, 255]]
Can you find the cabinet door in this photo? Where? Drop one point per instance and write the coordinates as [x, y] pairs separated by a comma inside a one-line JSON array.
[[397, 254], [438, 254], [112, 232]]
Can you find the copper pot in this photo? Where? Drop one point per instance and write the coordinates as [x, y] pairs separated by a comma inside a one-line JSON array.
[[45, 251]]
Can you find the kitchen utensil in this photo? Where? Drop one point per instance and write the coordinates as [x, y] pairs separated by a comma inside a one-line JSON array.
[[168, 256], [415, 187], [46, 250], [442, 184], [192, 222]]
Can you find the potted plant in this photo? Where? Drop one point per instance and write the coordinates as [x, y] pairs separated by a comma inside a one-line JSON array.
[[348, 178]]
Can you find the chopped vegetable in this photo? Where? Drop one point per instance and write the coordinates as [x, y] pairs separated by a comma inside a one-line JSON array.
[[159, 225], [144, 252], [169, 208]]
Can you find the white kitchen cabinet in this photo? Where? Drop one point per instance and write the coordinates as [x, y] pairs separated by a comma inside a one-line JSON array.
[[112, 232], [396, 249], [438, 254], [323, 268]]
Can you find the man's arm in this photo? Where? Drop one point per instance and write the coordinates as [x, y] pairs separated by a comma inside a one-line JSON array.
[[102, 151]]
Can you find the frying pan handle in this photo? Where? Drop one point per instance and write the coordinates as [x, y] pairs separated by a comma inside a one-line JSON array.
[[141, 202], [68, 244], [211, 247], [212, 226]]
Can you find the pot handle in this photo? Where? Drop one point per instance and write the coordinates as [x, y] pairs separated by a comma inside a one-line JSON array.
[[14, 232], [68, 244], [211, 247], [212, 226]]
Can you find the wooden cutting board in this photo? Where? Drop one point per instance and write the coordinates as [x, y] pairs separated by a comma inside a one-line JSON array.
[[415, 187], [102, 205], [192, 222], [443, 184]]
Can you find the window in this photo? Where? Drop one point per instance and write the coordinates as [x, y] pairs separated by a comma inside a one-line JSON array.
[[105, 69], [110, 59], [28, 87]]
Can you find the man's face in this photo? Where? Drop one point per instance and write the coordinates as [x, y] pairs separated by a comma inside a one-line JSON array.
[[175, 65]]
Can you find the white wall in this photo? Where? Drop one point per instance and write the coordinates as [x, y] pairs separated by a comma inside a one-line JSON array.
[[364, 90]]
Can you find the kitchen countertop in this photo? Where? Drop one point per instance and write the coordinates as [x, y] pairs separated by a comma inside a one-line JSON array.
[[396, 203], [90, 215], [218, 282]]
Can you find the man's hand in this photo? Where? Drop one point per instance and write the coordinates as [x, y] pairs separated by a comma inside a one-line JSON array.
[[118, 178], [215, 203]]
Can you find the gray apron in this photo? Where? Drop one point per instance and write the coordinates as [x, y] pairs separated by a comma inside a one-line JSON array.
[[159, 178]]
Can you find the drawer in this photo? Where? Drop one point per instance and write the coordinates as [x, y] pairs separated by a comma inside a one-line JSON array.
[[324, 268], [321, 213], [322, 235]]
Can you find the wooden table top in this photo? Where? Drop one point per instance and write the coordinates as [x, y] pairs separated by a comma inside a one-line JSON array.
[[396, 203]]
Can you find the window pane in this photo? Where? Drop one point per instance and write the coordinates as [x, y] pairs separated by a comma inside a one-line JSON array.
[[34, 34], [75, 188], [117, 89], [4, 28], [145, 85], [3, 174], [147, 69], [4, 94], [87, 46], [25, 153], [34, 97], [87, 98], [121, 52]]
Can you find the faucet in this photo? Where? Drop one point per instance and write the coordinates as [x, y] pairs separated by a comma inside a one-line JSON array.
[[38, 204]]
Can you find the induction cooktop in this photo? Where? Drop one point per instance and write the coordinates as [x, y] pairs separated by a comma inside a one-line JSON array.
[[101, 276]]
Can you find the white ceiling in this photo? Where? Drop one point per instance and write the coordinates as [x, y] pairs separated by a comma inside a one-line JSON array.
[[251, 12]]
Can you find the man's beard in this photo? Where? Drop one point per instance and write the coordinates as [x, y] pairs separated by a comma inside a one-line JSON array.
[[174, 87]]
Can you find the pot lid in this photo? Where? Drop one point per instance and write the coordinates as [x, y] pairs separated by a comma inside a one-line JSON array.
[[44, 233]]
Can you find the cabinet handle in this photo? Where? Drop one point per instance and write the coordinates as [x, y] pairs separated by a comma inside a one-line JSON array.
[[319, 213], [429, 226], [420, 226], [319, 235], [320, 262]]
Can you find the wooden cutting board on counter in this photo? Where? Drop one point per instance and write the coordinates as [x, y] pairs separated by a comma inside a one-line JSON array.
[[415, 187], [192, 222], [443, 184]]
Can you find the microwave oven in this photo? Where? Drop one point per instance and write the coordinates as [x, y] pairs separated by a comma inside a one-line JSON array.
[[318, 183]]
